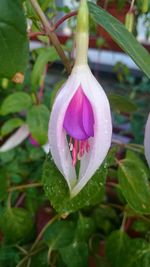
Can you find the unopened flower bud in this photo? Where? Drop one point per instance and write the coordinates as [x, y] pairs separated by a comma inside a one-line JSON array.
[[145, 6], [129, 21]]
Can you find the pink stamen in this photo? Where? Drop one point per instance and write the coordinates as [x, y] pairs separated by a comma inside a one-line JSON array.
[[74, 153], [81, 149], [87, 146], [78, 149], [74, 157]]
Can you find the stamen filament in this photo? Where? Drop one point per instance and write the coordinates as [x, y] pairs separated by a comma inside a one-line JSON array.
[[78, 149]]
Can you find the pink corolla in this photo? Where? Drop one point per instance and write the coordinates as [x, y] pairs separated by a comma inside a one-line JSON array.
[[147, 140], [80, 125]]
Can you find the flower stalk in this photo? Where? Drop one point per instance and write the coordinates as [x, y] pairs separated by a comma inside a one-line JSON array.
[[52, 36], [82, 34]]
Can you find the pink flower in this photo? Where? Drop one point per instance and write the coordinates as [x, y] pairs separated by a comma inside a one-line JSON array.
[[147, 140], [80, 128]]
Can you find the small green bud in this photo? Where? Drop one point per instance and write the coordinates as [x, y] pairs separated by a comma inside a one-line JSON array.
[[129, 21], [145, 6], [5, 83]]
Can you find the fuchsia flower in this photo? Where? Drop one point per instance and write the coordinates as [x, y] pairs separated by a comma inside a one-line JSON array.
[[147, 140], [80, 125], [80, 128]]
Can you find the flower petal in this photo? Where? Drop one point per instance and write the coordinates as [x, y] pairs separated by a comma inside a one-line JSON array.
[[147, 140], [78, 121], [100, 143], [17, 138], [88, 117], [57, 136]]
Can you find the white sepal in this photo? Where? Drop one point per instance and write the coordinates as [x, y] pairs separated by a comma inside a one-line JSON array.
[[15, 139], [101, 142]]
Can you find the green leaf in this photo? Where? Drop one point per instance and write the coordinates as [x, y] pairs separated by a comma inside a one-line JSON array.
[[40, 259], [121, 103], [33, 200], [111, 156], [13, 36], [85, 228], [8, 256], [10, 125], [101, 261], [116, 247], [57, 190], [140, 226], [122, 36], [16, 102], [127, 252], [36, 153], [16, 225], [75, 255], [3, 185], [137, 254], [37, 119], [104, 218], [133, 179], [130, 155], [60, 234], [46, 55], [7, 157]]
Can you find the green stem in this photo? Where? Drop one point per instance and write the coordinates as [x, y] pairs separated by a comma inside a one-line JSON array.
[[113, 205], [122, 228], [42, 231], [126, 210], [82, 34], [24, 186], [29, 262], [9, 201], [49, 255], [20, 264], [59, 22], [111, 184], [52, 36], [21, 249], [131, 6], [134, 147], [31, 251]]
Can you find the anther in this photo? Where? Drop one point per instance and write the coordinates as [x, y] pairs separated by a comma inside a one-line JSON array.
[[71, 147], [70, 144]]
